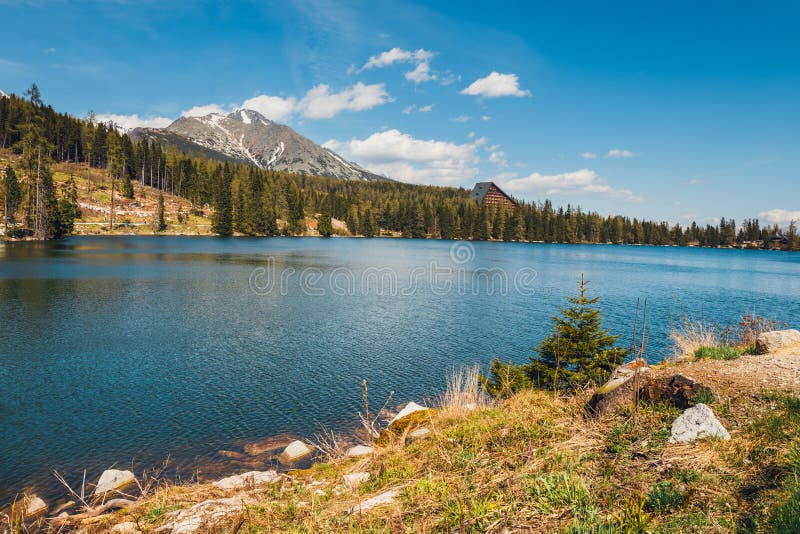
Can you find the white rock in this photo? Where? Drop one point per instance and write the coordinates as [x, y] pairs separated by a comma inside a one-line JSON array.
[[113, 480], [777, 340], [359, 450], [247, 480], [697, 422], [411, 407], [34, 505], [128, 527], [203, 516], [387, 497], [419, 433], [296, 450], [354, 480]]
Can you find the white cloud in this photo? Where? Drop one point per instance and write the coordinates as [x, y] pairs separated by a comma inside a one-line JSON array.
[[485, 118], [496, 85], [589, 155], [619, 153], [320, 103], [133, 121], [274, 108], [421, 57], [695, 181], [397, 55], [780, 216], [498, 158], [422, 73], [421, 109], [202, 111], [403, 157], [581, 181], [461, 118]]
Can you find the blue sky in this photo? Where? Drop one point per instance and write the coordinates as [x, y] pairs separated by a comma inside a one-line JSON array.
[[673, 111]]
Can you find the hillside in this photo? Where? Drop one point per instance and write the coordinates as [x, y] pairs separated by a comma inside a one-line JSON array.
[[533, 462]]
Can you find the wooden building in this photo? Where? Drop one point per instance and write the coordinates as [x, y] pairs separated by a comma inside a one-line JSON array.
[[488, 194]]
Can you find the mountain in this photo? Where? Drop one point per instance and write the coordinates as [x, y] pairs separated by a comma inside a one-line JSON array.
[[247, 136]]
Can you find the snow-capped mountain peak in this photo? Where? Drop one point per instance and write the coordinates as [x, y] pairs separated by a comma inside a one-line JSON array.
[[246, 135]]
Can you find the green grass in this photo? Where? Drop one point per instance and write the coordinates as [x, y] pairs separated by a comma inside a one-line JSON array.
[[718, 353], [663, 496]]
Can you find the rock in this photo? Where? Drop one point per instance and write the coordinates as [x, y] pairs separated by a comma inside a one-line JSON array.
[[247, 480], [697, 422], [353, 480], [777, 340], [359, 450], [34, 505], [620, 388], [295, 451], [128, 527], [203, 516], [232, 454], [387, 497], [410, 408], [113, 480], [418, 433], [677, 390], [267, 445]]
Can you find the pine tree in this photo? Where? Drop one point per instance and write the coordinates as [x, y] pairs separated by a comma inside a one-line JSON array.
[[161, 223], [578, 351], [324, 224], [12, 194], [222, 222]]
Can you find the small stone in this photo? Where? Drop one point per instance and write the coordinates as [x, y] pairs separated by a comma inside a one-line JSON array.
[[354, 480], [113, 480], [359, 450], [251, 479], [777, 340], [34, 505], [419, 433], [387, 497], [267, 445], [409, 408], [697, 422], [128, 527], [295, 451]]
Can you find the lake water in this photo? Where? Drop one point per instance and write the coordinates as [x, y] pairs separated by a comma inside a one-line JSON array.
[[126, 350]]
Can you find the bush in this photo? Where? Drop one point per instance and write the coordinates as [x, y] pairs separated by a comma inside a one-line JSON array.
[[718, 353], [663, 496]]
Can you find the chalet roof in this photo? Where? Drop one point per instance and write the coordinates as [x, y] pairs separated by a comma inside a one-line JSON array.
[[481, 188]]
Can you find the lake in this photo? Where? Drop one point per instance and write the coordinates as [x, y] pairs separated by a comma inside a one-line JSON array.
[[125, 350]]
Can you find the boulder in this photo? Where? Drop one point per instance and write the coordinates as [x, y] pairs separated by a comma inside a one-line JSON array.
[[267, 445], [697, 422], [113, 480], [34, 505], [677, 390], [294, 452], [359, 450], [410, 408], [353, 480], [620, 388], [777, 340], [204, 516], [387, 497], [247, 480]]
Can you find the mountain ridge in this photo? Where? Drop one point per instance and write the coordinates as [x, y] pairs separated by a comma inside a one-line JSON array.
[[245, 135]]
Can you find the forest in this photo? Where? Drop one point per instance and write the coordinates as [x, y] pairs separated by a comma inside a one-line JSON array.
[[251, 201]]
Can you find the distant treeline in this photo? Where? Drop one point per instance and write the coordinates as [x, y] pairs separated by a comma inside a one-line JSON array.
[[250, 201]]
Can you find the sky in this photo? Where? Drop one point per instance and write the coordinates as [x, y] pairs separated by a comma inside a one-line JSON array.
[[674, 111]]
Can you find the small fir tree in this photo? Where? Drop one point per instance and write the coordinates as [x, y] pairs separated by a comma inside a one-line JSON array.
[[161, 223], [578, 351]]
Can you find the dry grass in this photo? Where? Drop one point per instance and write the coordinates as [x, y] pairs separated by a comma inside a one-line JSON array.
[[464, 391], [692, 335]]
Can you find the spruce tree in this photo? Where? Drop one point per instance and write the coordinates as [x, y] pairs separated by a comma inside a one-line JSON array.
[[578, 351], [222, 222], [161, 223], [324, 224]]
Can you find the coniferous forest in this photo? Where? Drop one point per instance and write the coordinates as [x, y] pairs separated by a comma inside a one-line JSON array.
[[251, 201]]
